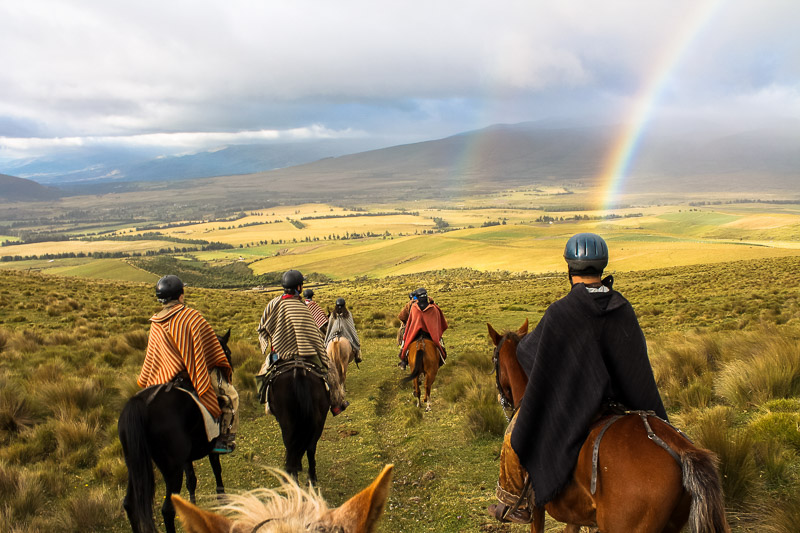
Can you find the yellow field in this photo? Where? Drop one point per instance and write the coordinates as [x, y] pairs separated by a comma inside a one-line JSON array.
[[61, 247], [652, 236]]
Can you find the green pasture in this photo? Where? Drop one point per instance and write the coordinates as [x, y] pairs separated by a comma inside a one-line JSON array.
[[114, 269], [723, 339]]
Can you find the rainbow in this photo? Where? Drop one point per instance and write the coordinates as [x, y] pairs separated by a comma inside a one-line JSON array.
[[625, 147]]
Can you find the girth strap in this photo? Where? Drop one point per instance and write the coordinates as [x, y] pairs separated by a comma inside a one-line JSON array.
[[596, 450], [650, 435]]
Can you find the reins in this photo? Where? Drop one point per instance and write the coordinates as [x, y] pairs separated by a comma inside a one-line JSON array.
[[505, 402]]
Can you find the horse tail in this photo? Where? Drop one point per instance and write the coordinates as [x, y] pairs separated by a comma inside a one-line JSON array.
[[701, 480], [132, 428], [419, 365]]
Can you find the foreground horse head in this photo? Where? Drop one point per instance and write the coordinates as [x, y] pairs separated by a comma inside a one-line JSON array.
[[265, 510], [423, 358], [640, 486], [165, 428], [340, 353]]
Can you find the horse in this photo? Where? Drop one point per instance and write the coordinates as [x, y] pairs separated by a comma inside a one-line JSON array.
[[169, 431], [639, 486], [296, 510], [298, 397], [423, 358], [340, 354]]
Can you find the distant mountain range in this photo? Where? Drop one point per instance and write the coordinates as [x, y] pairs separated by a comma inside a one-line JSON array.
[[13, 189], [499, 156]]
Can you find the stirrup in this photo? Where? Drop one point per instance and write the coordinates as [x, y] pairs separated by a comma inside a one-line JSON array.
[[222, 447], [502, 512]]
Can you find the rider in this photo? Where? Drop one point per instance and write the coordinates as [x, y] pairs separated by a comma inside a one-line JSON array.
[[181, 341], [341, 325], [422, 314], [586, 355], [316, 311], [287, 328]]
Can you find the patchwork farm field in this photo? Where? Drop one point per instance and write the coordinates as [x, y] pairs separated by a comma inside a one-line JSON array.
[[723, 340], [382, 240]]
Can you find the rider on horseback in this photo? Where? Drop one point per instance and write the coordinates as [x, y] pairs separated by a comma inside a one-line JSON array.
[[181, 342], [586, 354], [421, 314], [341, 324], [287, 328], [316, 311]]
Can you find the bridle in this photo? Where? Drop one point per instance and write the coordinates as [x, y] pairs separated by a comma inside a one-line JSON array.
[[505, 402]]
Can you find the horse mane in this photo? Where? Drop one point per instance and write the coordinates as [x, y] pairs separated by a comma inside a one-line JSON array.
[[288, 508]]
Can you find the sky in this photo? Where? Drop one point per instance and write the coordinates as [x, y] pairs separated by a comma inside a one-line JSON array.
[[184, 76]]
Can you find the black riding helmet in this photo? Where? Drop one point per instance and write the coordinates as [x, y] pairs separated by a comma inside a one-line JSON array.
[[586, 253], [169, 288], [339, 302], [308, 294], [291, 279], [422, 297]]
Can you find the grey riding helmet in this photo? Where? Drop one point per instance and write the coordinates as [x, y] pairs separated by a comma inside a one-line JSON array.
[[291, 279], [168, 288], [586, 253]]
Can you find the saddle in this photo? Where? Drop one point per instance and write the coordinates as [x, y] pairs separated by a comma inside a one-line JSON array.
[[182, 383], [281, 366]]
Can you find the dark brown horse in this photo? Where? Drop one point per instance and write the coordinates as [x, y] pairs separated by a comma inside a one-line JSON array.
[[640, 487], [423, 358]]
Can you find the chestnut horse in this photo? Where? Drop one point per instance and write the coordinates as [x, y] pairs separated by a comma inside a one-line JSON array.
[[639, 486], [340, 354], [423, 358], [290, 509]]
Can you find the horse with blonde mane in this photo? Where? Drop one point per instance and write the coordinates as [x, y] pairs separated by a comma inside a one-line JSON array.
[[340, 354], [290, 509], [635, 472]]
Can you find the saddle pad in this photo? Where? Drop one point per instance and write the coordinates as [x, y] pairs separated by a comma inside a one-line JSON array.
[[212, 424]]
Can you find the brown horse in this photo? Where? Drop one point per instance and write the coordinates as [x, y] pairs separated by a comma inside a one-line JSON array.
[[340, 354], [423, 358], [640, 487], [290, 510]]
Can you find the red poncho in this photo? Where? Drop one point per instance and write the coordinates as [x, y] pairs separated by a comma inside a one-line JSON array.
[[430, 319]]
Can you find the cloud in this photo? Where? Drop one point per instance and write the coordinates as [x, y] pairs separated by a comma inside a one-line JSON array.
[[183, 69]]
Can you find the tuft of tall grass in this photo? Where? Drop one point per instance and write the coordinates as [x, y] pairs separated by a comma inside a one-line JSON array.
[[777, 427], [682, 368], [771, 371], [246, 356], [92, 509], [483, 414], [77, 442], [785, 517], [412, 415], [734, 447], [136, 339], [17, 410]]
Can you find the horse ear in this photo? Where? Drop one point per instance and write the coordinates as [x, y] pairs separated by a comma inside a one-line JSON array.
[[195, 520], [361, 512], [493, 334], [227, 335], [523, 330]]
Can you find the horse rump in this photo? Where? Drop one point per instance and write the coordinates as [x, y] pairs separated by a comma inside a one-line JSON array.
[[132, 431]]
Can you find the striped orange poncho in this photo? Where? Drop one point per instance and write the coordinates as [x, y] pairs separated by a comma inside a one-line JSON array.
[[181, 339]]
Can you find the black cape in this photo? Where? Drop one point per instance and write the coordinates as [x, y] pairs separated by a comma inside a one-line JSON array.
[[588, 348]]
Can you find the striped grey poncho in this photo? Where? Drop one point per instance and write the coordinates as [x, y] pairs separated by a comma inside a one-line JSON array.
[[288, 329]]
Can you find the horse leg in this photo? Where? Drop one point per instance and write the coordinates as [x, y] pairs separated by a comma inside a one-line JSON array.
[[191, 480], [173, 478], [416, 390], [311, 454], [216, 467], [537, 522]]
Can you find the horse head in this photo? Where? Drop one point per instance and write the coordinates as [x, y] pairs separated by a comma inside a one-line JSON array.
[[508, 373], [265, 510]]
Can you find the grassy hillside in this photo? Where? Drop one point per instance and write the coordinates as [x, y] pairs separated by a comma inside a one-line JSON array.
[[723, 341]]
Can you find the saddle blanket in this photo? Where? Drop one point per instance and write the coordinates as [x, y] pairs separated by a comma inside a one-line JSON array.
[[211, 423]]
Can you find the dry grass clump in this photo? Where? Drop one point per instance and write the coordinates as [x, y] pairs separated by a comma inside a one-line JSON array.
[[77, 442], [734, 447], [136, 339], [683, 370], [769, 369], [483, 414], [91, 509]]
